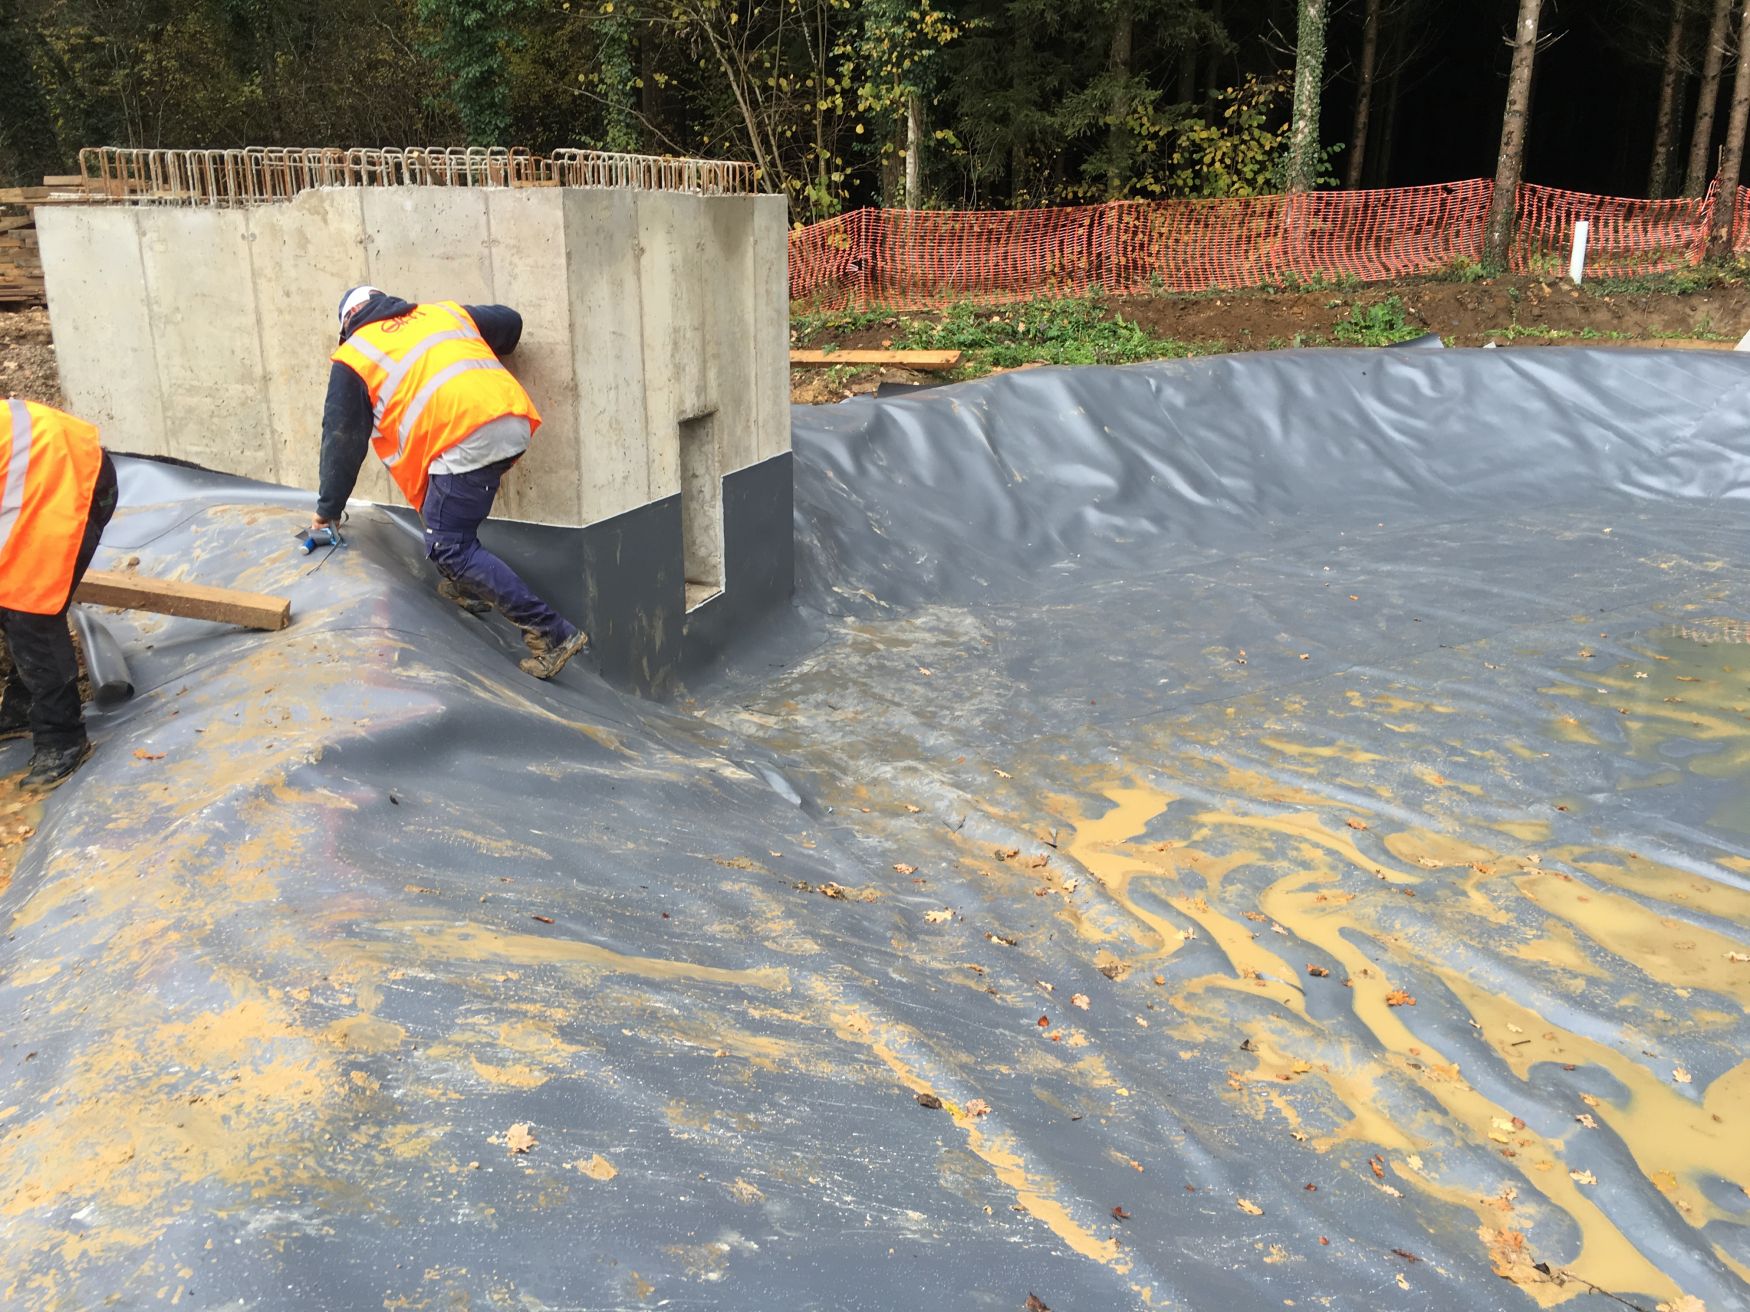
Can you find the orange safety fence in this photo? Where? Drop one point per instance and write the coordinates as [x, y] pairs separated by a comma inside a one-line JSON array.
[[922, 259], [1627, 237]]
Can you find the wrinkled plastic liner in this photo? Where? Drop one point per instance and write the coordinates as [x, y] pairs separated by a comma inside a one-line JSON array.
[[1236, 833]]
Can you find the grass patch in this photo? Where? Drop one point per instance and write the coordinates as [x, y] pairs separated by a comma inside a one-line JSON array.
[[1071, 330], [805, 326], [1379, 324]]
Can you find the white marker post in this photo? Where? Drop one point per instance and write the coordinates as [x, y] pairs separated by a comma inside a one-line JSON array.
[[1577, 261]]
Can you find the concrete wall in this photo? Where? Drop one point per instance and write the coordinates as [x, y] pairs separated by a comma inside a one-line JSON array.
[[204, 334]]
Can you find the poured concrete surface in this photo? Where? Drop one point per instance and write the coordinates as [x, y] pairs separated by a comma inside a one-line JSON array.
[[204, 334]]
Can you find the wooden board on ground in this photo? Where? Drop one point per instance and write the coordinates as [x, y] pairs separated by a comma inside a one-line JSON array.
[[194, 601], [927, 360]]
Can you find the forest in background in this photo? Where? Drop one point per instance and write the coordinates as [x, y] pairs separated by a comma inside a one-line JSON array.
[[927, 103]]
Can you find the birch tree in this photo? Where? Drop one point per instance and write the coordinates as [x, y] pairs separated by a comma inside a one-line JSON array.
[[1510, 166]]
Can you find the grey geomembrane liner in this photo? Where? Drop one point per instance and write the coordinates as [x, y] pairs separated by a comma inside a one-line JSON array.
[[1301, 796]]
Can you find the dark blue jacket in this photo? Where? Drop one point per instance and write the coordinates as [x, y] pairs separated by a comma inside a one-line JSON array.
[[346, 414]]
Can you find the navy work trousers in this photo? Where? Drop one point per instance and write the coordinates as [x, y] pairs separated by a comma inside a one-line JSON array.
[[455, 505]]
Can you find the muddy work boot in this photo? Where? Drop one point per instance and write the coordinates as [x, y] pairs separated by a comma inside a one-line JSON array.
[[548, 657], [50, 766], [452, 591]]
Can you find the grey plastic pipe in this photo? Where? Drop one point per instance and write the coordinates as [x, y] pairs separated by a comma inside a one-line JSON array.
[[105, 666]]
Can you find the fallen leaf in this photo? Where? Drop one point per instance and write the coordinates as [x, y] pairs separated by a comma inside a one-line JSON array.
[[1079, 1000], [144, 755], [1006, 853], [924, 671], [1035, 1304], [1002, 774], [1408, 1257], [1306, 655], [1356, 824], [597, 1168], [545, 920], [1120, 1214], [1738, 956], [929, 1101], [518, 1139], [938, 917], [1586, 1121], [1680, 1075], [1258, 916], [1318, 971], [1582, 1177], [1399, 998], [978, 1107], [904, 869], [1044, 1021], [912, 810], [1377, 1164], [1250, 1208]]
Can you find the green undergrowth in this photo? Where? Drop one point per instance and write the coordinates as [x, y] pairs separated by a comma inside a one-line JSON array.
[[1066, 330], [1379, 324], [1079, 330]]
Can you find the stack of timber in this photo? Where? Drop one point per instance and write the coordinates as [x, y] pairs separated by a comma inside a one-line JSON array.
[[21, 266]]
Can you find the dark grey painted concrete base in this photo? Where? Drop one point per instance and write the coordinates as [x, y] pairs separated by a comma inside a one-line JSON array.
[[623, 579]]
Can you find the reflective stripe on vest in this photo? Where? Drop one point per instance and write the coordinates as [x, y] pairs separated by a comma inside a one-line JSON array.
[[51, 466], [432, 380], [17, 468]]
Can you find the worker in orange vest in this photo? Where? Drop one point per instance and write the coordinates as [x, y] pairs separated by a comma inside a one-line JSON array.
[[424, 386], [57, 492]]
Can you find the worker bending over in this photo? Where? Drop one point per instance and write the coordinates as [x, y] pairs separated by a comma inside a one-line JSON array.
[[57, 492], [424, 386]]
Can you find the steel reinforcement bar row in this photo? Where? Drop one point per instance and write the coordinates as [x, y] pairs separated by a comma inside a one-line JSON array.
[[260, 174]]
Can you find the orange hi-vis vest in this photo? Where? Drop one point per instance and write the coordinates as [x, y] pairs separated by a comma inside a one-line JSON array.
[[433, 380], [49, 462]]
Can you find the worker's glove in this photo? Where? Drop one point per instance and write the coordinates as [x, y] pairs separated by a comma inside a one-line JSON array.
[[327, 536]]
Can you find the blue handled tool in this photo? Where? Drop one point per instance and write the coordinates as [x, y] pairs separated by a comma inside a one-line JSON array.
[[311, 538]]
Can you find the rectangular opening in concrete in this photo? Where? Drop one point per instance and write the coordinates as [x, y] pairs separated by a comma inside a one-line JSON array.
[[701, 509]]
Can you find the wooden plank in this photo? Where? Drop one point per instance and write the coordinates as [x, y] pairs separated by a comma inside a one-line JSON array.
[[899, 359], [194, 601]]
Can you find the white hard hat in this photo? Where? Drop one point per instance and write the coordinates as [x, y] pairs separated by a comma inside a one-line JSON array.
[[354, 298]]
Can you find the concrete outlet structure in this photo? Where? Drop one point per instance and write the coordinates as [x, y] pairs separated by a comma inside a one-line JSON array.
[[654, 504]]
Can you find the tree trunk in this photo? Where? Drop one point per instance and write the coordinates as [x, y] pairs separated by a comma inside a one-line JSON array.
[[1511, 165], [914, 151], [1364, 94], [1732, 162], [1701, 145], [1388, 122], [1665, 131], [1118, 65], [1187, 92], [1309, 78], [650, 95]]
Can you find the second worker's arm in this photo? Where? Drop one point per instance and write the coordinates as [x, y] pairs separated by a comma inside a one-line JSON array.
[[346, 440]]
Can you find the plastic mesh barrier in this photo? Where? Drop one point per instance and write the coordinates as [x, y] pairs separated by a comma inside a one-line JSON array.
[[1627, 236], [918, 259]]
